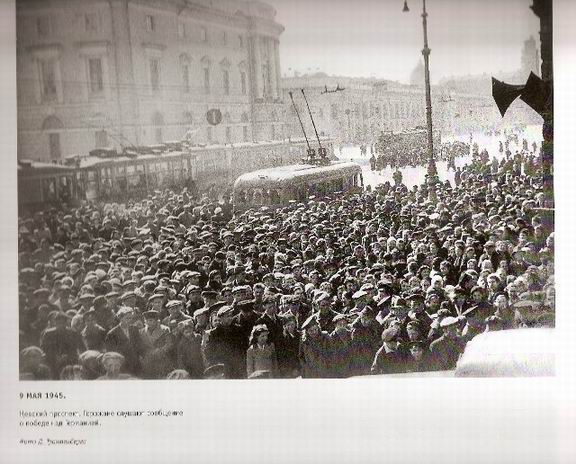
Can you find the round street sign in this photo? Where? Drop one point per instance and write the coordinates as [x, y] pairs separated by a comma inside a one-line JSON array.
[[214, 116]]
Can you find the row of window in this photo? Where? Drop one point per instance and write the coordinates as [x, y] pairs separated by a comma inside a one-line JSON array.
[[45, 27], [91, 25], [184, 32], [396, 111], [95, 72], [185, 68]]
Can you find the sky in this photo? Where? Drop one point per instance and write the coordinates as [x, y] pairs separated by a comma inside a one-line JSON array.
[[374, 38]]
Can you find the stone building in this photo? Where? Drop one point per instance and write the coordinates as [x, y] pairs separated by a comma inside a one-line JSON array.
[[113, 73], [368, 106]]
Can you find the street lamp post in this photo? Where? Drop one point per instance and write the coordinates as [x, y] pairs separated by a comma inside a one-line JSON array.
[[432, 171]]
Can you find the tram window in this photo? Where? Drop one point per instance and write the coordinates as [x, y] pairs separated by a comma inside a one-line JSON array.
[[92, 175], [130, 170]]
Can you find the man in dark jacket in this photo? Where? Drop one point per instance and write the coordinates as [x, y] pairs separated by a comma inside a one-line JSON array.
[[341, 349], [61, 344], [314, 350], [125, 339], [288, 351], [366, 336], [447, 349], [420, 359], [224, 345], [271, 320], [389, 359]]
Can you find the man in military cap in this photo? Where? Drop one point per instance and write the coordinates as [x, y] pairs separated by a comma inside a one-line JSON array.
[[341, 348]]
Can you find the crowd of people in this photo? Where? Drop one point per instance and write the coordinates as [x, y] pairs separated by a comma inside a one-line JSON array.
[[391, 280]]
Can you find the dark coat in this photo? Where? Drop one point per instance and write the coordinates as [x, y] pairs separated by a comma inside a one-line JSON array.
[[62, 347], [287, 353], [425, 364], [446, 352], [189, 355], [341, 354], [388, 363], [130, 347], [224, 345], [366, 341], [315, 356]]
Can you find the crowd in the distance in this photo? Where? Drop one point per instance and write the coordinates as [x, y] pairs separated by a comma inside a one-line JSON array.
[[386, 281]]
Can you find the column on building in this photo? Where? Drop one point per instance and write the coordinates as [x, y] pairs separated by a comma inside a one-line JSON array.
[[128, 114], [278, 70], [256, 65], [272, 68]]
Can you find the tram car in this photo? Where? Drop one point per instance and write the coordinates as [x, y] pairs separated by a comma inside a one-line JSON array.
[[107, 175]]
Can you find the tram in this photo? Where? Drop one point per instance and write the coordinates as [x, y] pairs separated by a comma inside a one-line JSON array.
[[276, 187]]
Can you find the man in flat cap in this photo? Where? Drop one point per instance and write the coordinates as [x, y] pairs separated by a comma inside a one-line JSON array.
[[341, 348], [314, 350], [389, 359], [447, 349], [366, 337], [271, 320]]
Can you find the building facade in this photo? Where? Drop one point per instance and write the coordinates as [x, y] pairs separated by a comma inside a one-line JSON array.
[[366, 107], [114, 73]]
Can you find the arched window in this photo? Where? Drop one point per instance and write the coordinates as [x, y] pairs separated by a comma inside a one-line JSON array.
[[52, 123], [206, 63]]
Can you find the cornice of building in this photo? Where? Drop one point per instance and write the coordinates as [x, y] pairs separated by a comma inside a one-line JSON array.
[[257, 16]]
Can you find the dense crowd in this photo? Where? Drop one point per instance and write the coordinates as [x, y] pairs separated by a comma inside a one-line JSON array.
[[387, 281]]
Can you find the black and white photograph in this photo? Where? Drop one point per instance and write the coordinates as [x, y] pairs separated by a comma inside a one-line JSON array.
[[285, 189]]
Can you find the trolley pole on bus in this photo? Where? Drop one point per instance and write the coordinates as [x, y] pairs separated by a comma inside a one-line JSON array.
[[432, 171]]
